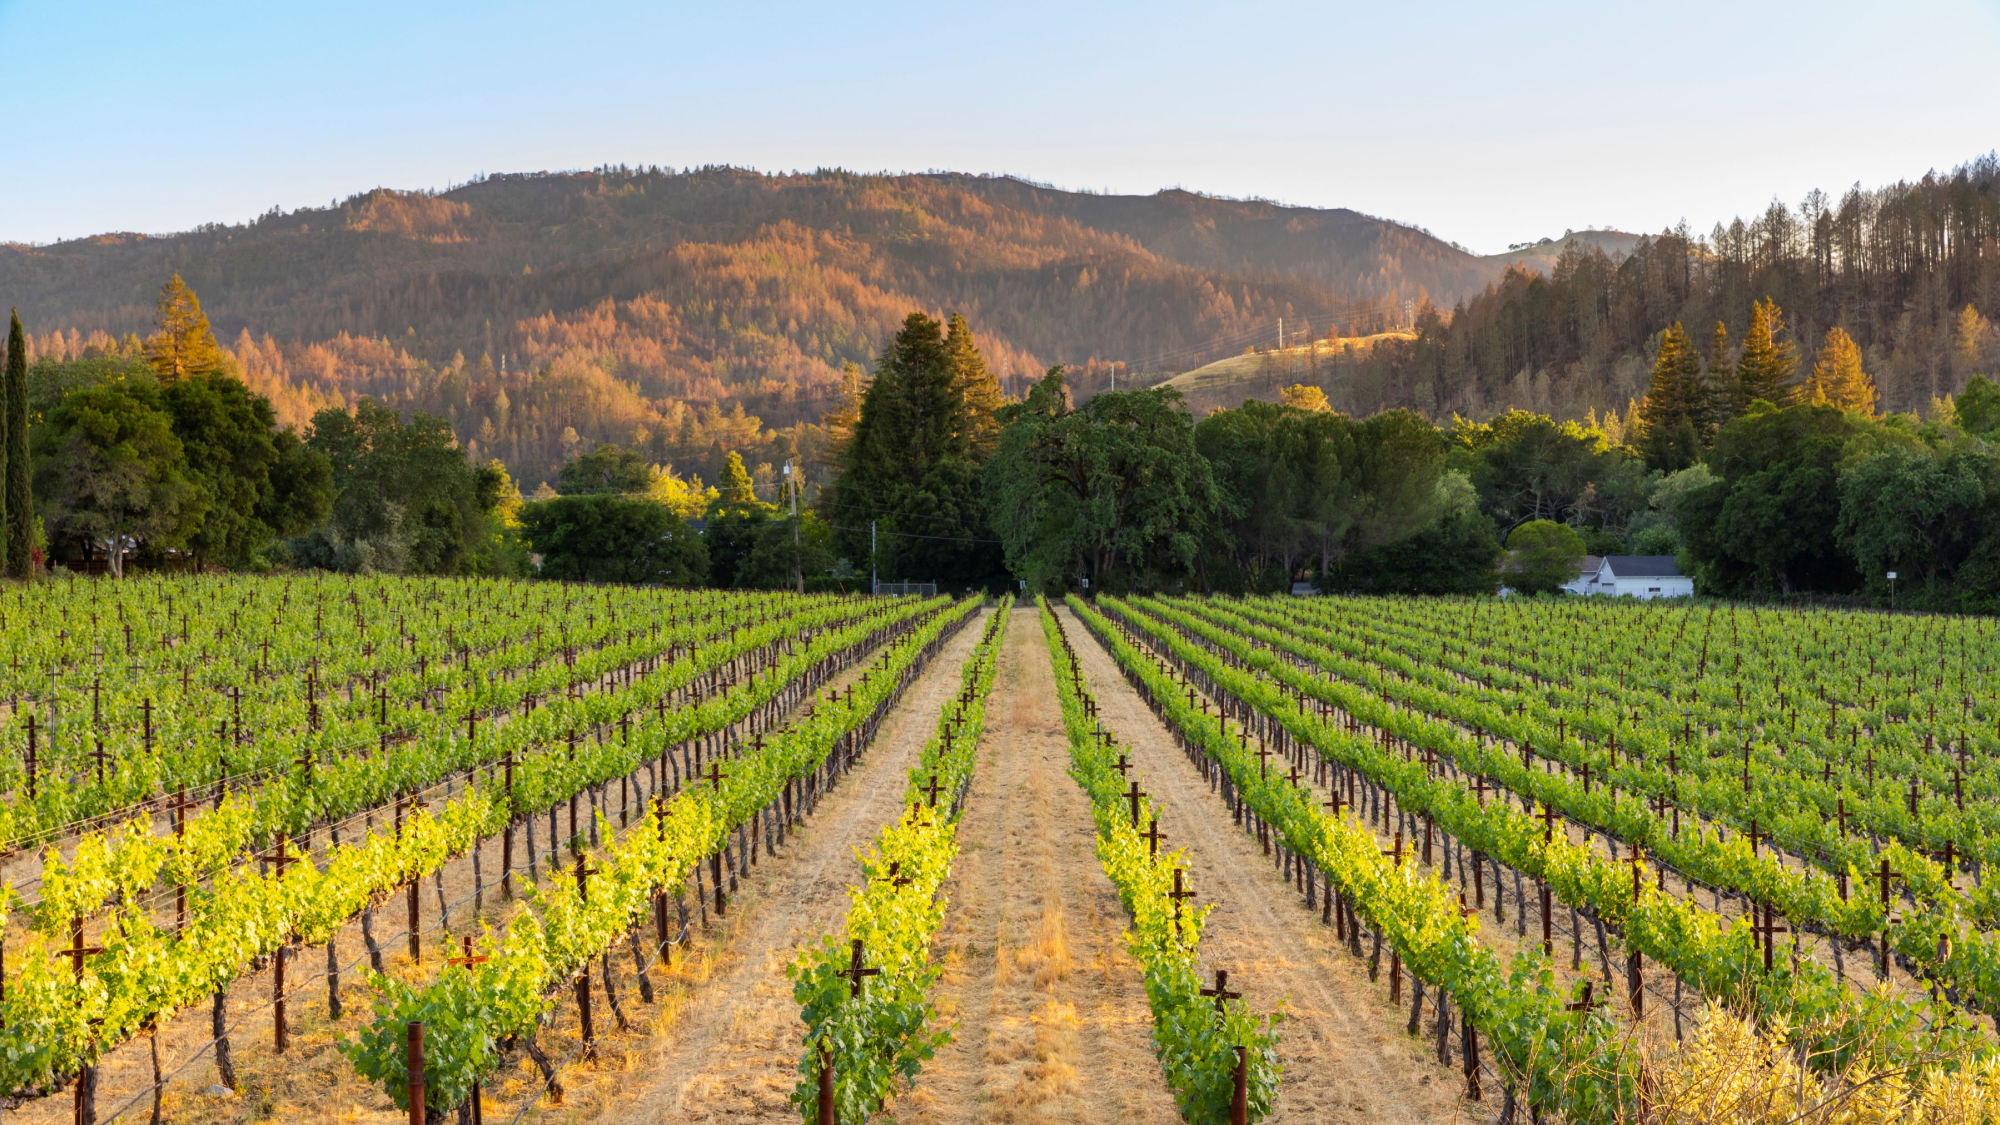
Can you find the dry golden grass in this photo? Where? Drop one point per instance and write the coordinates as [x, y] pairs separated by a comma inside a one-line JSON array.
[[1731, 1073], [1047, 951], [1215, 381]]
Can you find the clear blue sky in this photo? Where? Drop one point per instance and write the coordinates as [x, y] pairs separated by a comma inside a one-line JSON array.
[[1486, 123]]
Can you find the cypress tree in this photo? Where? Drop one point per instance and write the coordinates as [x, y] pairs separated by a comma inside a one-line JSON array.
[[20, 503]]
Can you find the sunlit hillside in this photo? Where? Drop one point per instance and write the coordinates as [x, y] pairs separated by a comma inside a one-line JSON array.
[[1264, 372]]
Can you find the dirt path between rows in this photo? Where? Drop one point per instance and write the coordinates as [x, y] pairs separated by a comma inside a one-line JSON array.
[[1344, 1052], [732, 1055], [1050, 1014]]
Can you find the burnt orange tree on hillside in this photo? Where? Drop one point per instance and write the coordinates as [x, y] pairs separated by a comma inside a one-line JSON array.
[[183, 346]]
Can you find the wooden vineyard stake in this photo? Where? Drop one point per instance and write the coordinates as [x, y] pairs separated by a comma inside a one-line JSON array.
[[1633, 964], [1548, 816], [466, 960], [280, 1033], [507, 833], [1239, 1102], [1178, 894], [178, 809], [1221, 992], [1884, 876], [855, 972], [1152, 835], [660, 894], [714, 778], [414, 1060], [826, 1107], [583, 874], [1768, 929], [31, 756], [932, 790], [1132, 795], [77, 951], [1395, 954], [414, 900]]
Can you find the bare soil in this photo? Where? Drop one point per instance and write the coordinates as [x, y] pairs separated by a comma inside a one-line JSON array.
[[732, 1052], [1050, 1016], [1344, 1052]]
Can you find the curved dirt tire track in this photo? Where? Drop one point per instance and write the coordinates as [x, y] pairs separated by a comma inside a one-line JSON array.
[[1345, 1056]]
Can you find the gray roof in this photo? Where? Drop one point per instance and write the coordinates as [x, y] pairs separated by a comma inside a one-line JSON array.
[[1643, 566]]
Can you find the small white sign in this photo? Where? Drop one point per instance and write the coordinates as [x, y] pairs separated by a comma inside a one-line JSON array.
[[1892, 576]]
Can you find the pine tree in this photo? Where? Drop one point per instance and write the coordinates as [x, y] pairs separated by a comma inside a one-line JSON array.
[[1764, 371], [19, 512], [1971, 336], [846, 412], [1837, 378], [736, 488], [977, 387], [1675, 412], [184, 345]]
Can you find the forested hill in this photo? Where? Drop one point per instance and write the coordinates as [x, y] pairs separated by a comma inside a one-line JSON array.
[[644, 290]]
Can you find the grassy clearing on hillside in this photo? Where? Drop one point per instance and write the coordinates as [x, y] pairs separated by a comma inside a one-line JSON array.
[[1262, 374]]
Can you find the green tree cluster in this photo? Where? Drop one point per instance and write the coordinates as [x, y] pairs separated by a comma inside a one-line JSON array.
[[1542, 555], [928, 421], [1107, 494], [407, 500], [600, 537], [606, 469], [115, 479], [1812, 499], [1309, 488], [169, 453]]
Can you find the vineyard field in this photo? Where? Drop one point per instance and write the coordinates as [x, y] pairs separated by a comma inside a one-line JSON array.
[[357, 849]]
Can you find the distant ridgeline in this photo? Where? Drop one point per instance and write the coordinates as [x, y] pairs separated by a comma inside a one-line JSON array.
[[689, 314]]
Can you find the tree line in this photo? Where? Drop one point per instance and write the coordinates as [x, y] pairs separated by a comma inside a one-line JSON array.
[[1764, 471], [1909, 272], [1763, 475], [160, 453]]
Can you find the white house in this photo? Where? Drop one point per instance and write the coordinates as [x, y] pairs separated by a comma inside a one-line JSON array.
[[1586, 581], [1632, 576]]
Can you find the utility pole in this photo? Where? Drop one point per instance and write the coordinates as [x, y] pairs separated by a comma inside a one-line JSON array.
[[874, 578], [1281, 333]]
